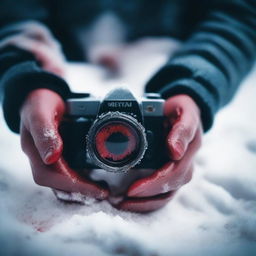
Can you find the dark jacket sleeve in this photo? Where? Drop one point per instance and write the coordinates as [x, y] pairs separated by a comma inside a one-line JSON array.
[[23, 26], [211, 64]]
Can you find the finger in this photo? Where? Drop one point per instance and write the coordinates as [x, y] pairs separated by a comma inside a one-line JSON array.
[[41, 116], [143, 205], [71, 181], [58, 175], [168, 178], [181, 134], [157, 185], [47, 140]]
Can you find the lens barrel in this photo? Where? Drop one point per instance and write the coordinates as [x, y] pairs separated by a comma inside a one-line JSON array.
[[116, 142]]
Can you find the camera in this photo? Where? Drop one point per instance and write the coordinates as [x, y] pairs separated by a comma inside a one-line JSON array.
[[115, 133]]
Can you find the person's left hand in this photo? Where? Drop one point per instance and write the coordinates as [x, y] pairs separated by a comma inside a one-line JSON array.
[[183, 141]]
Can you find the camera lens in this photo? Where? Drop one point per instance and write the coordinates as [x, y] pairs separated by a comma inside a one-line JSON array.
[[116, 142]]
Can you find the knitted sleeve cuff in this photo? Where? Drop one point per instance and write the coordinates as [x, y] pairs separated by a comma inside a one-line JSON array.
[[19, 81], [198, 93]]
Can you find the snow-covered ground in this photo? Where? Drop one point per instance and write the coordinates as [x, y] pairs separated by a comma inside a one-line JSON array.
[[215, 214]]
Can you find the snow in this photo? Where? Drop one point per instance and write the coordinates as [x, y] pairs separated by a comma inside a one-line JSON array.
[[214, 214], [50, 133]]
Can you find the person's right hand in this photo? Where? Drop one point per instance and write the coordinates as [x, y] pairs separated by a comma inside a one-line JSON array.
[[41, 115]]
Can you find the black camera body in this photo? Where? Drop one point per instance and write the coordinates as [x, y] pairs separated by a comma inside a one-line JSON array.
[[115, 133]]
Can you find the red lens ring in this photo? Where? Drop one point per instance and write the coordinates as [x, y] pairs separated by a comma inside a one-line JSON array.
[[106, 131]]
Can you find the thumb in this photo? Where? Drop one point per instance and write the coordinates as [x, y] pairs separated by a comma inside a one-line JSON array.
[[41, 114], [184, 127], [180, 136]]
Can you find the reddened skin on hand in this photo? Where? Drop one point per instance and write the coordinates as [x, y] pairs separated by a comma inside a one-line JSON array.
[[182, 142], [146, 204], [41, 115]]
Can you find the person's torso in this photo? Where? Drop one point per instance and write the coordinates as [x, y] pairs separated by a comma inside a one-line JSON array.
[[137, 18]]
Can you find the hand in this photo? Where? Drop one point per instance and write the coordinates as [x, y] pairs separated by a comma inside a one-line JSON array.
[[183, 141], [40, 140]]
